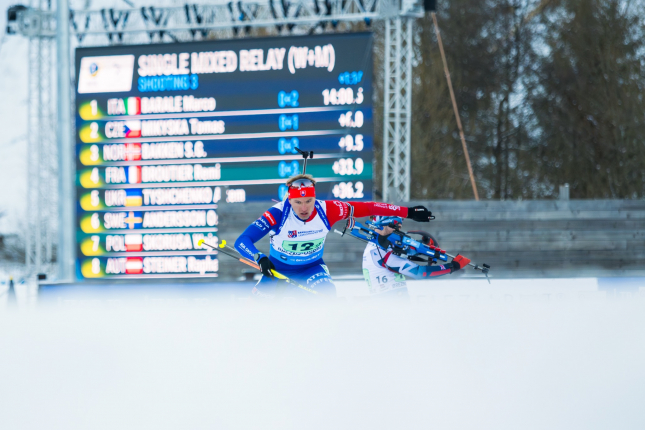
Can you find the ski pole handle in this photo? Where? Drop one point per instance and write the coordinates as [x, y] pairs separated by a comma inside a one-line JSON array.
[[231, 253], [246, 261]]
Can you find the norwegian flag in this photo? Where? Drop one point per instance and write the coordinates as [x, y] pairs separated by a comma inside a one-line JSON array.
[[133, 151], [134, 174], [134, 266], [133, 242], [293, 233]]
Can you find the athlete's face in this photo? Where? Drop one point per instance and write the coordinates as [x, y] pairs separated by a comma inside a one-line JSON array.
[[304, 207]]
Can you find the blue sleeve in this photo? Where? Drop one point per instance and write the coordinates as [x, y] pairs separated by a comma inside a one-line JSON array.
[[270, 220]]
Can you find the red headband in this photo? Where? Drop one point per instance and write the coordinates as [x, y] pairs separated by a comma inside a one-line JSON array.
[[298, 193]]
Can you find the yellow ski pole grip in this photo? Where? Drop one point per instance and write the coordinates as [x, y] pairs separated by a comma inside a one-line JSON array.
[[278, 274]]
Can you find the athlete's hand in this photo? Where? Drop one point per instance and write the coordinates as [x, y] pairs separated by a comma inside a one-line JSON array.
[[459, 262], [420, 214], [266, 266]]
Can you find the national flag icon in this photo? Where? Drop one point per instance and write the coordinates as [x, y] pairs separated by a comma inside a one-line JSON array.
[[134, 175], [134, 106], [133, 129], [133, 242], [133, 198], [134, 220], [134, 265], [132, 151]]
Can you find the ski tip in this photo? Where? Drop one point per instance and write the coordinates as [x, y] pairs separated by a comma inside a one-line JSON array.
[[200, 242], [222, 243]]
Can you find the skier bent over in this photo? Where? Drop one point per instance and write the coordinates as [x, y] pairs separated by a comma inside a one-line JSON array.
[[385, 271]]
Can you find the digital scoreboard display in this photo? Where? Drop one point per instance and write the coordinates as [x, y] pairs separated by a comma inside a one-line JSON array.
[[165, 133]]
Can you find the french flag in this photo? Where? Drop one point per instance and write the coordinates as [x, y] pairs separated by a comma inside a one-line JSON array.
[[133, 242], [133, 151], [134, 174], [134, 106], [134, 265], [133, 129]]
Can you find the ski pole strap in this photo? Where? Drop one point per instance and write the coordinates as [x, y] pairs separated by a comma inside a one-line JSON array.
[[351, 222]]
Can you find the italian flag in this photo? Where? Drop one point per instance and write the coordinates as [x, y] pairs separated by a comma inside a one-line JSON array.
[[134, 106]]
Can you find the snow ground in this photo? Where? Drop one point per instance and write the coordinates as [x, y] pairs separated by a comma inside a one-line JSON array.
[[518, 354]]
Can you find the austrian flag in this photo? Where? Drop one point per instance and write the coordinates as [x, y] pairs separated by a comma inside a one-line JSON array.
[[134, 266]]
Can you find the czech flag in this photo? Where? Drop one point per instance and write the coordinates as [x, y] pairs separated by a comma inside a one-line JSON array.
[[133, 151], [133, 198], [134, 106], [133, 242], [133, 129], [134, 265], [134, 175]]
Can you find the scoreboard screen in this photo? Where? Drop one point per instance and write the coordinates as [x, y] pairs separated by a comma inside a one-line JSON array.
[[165, 133]]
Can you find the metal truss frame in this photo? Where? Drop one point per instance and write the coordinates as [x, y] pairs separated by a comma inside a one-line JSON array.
[[397, 109], [192, 22], [42, 169]]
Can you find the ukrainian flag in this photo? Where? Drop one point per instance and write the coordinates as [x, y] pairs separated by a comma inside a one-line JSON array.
[[133, 198]]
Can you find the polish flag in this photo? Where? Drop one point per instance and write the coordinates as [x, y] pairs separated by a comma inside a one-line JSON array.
[[133, 242], [133, 151], [134, 106], [134, 265], [133, 129], [134, 174]]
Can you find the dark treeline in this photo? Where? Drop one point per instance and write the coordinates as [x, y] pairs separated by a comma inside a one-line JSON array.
[[550, 92]]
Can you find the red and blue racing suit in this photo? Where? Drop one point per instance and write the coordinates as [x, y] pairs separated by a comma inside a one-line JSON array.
[[297, 245]]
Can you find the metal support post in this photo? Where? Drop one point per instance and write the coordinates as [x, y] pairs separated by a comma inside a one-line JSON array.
[[41, 164], [64, 138], [32, 241], [397, 109]]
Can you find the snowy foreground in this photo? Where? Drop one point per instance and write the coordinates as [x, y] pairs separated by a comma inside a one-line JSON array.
[[517, 354]]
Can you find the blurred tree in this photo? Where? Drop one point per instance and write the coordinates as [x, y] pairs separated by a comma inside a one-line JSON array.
[[588, 103], [488, 47]]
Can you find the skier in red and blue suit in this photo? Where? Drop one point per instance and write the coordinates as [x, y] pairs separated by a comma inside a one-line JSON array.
[[297, 228]]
